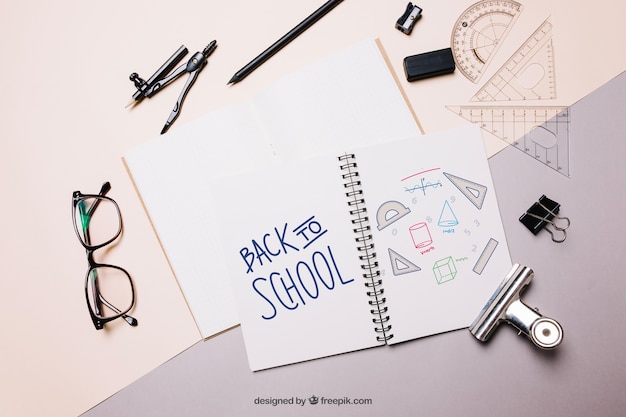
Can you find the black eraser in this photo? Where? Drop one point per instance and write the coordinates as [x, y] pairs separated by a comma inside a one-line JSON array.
[[429, 64]]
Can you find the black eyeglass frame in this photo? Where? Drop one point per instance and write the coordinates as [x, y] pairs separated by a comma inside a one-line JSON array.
[[96, 316]]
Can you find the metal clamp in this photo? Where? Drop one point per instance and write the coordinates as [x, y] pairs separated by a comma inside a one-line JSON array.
[[505, 305]]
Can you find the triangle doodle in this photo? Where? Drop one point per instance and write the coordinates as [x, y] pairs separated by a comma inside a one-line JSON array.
[[400, 265], [474, 192]]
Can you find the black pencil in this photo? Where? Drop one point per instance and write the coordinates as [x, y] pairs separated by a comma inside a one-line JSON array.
[[279, 44]]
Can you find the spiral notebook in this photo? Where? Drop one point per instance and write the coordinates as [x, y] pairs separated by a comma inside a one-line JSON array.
[[371, 246]]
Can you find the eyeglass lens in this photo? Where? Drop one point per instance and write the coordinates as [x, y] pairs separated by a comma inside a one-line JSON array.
[[109, 291], [98, 220]]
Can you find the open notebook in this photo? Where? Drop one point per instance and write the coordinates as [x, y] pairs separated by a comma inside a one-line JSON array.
[[343, 100], [372, 245]]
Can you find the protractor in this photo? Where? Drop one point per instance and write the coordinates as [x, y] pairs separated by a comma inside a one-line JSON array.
[[478, 32]]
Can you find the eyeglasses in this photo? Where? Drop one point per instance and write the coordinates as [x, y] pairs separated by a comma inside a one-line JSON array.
[[108, 288]]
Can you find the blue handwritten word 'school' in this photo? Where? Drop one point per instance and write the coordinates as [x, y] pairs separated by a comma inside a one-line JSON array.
[[293, 287]]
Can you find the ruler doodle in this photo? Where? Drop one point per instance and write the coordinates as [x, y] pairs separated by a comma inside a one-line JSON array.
[[541, 132], [528, 74], [477, 34]]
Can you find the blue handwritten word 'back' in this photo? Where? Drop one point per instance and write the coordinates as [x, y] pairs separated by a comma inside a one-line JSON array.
[[265, 250], [275, 244]]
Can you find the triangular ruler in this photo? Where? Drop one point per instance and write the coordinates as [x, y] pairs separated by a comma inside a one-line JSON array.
[[527, 75], [478, 33], [474, 192], [401, 265], [541, 132]]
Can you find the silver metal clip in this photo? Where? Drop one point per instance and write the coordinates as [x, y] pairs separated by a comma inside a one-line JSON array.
[[505, 305]]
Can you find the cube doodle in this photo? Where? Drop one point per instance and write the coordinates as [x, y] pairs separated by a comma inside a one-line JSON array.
[[444, 270]]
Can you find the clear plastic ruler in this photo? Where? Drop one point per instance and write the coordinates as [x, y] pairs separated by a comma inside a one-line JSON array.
[[528, 74], [541, 132], [478, 32]]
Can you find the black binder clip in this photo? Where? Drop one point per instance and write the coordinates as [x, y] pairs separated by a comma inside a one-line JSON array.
[[542, 213], [506, 306], [406, 22], [160, 79]]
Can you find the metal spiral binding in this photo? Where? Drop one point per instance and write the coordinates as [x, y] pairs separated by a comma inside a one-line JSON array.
[[365, 246]]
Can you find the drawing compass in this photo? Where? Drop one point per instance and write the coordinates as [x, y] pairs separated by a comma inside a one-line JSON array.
[[160, 79]]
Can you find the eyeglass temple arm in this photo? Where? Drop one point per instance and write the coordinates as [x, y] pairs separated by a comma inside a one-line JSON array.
[[106, 187], [130, 320], [86, 214], [85, 218]]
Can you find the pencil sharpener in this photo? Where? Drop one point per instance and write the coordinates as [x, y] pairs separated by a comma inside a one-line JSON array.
[[406, 22], [505, 305]]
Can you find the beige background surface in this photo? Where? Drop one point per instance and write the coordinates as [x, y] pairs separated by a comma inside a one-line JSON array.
[[64, 84]]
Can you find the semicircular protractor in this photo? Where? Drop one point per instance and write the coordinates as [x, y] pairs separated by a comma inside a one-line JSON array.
[[478, 32]]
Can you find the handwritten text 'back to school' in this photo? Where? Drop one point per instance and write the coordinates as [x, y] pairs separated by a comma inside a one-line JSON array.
[[292, 287]]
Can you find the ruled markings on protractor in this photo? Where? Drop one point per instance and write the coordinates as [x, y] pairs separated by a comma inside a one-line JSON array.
[[527, 75], [541, 132], [478, 32]]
